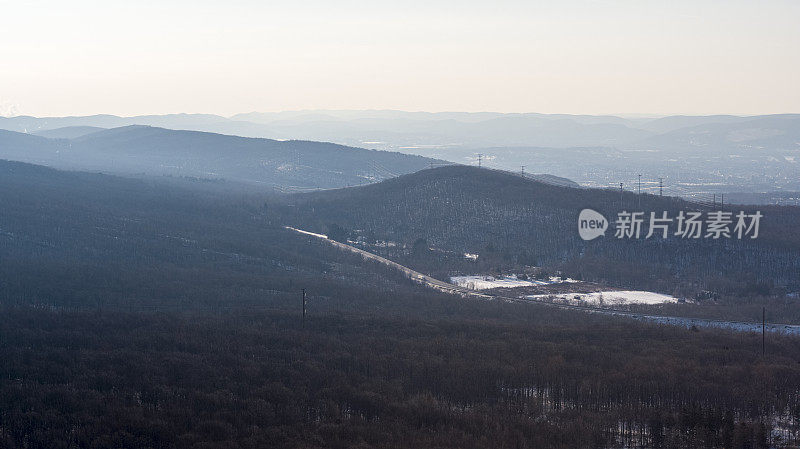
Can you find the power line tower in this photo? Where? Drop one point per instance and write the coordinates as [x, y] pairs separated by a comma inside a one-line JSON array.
[[620, 195], [660, 186], [522, 172], [480, 156]]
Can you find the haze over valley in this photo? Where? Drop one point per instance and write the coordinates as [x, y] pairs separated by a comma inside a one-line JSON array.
[[753, 159]]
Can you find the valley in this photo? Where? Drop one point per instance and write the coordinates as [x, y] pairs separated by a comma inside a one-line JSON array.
[[394, 225], [752, 159], [438, 303], [577, 300]]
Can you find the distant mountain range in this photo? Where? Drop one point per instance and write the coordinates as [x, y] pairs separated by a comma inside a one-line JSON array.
[[695, 155], [398, 129], [738, 135], [286, 165]]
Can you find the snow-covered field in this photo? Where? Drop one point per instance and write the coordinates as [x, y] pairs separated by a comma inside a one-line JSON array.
[[610, 298], [487, 282]]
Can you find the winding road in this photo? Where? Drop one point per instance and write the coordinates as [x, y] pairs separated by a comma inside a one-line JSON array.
[[740, 326]]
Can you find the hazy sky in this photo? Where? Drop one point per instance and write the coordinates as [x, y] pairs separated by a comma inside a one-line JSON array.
[[571, 56]]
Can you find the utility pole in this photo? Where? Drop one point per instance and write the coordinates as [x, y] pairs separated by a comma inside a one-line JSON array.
[[620, 194], [304, 308], [763, 331], [660, 186], [722, 201], [714, 201]]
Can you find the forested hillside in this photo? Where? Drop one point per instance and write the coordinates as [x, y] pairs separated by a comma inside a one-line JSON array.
[[509, 220], [151, 314], [79, 240]]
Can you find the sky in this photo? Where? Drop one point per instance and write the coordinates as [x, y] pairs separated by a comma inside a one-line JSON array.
[[571, 56]]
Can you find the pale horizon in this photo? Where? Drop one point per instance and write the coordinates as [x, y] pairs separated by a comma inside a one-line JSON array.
[[624, 115], [589, 57]]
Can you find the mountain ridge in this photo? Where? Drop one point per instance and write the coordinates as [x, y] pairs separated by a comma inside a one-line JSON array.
[[293, 165]]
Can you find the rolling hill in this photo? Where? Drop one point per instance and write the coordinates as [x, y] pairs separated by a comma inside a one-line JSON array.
[[285, 165], [509, 220], [85, 240]]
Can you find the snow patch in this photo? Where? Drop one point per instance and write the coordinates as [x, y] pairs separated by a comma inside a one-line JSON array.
[[610, 298], [487, 282]]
